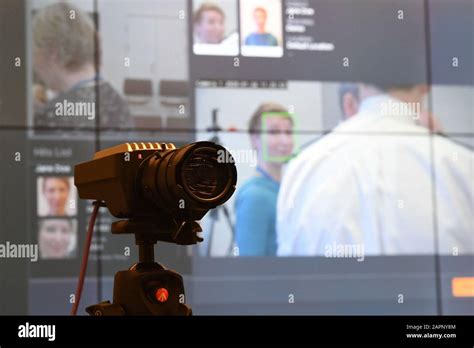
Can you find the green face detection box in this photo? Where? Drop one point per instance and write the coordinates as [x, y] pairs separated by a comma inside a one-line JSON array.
[[265, 133]]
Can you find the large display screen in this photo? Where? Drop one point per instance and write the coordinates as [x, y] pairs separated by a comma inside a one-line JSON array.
[[350, 124]]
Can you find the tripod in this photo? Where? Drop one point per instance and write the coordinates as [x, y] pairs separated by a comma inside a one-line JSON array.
[[148, 288], [214, 213]]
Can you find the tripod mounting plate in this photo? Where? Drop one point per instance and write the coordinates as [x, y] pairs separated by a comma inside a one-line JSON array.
[[148, 230]]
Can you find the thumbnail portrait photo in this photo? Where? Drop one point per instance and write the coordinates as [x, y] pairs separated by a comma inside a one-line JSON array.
[[57, 238], [261, 26], [215, 28], [56, 196]]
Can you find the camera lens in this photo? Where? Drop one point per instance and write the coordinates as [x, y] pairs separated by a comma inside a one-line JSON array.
[[203, 176], [194, 174]]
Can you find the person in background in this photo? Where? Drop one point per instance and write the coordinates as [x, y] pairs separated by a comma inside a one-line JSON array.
[[370, 183], [56, 239], [66, 47], [56, 191], [349, 99], [260, 37], [209, 25], [256, 199]]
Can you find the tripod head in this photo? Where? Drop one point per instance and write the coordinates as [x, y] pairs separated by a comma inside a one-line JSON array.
[[148, 288]]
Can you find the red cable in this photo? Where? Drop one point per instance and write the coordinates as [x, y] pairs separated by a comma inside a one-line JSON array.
[[85, 258]]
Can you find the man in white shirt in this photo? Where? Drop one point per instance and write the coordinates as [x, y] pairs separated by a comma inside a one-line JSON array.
[[381, 182]]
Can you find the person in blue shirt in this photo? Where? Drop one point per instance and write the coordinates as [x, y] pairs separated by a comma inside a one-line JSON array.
[[256, 199], [260, 37]]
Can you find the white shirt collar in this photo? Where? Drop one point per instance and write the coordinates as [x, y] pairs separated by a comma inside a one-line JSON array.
[[384, 105], [374, 104]]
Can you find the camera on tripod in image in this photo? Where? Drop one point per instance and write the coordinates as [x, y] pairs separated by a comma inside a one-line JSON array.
[[160, 192]]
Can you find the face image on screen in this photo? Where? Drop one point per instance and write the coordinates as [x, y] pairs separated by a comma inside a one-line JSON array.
[[57, 238], [215, 28], [261, 26], [56, 196]]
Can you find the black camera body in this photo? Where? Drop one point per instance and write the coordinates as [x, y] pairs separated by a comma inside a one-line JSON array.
[[159, 188], [111, 177]]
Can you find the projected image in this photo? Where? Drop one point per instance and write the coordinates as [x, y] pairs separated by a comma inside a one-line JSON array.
[[262, 134], [57, 238], [277, 209], [350, 124], [215, 28], [56, 196], [261, 28]]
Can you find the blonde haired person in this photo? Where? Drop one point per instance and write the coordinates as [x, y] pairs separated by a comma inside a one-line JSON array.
[[66, 55], [256, 199]]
